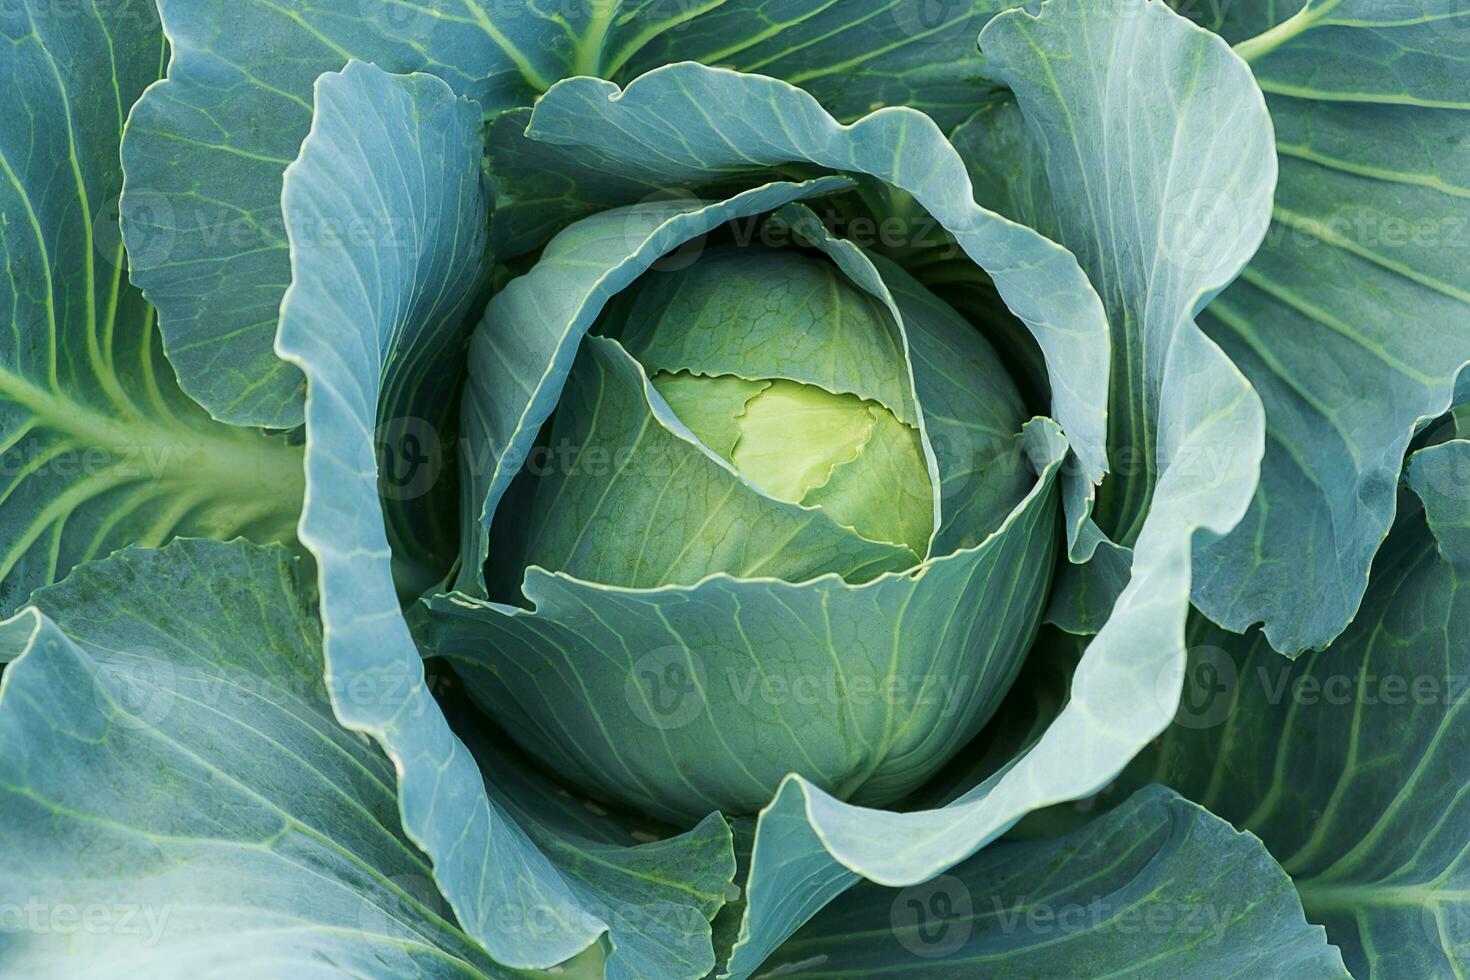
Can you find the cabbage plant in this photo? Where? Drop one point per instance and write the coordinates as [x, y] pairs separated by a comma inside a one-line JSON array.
[[724, 488]]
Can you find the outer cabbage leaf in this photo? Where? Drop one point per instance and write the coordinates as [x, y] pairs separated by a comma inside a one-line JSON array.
[[1236, 20], [532, 897], [1351, 320], [656, 889], [206, 148], [1440, 476], [205, 153], [178, 798], [854, 56], [1349, 762], [1157, 888], [412, 150], [1120, 170], [98, 447]]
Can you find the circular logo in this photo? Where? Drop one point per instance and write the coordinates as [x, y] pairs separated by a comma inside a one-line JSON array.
[[665, 688], [937, 21], [933, 919], [1196, 227], [143, 13], [136, 691], [643, 220], [1203, 688], [407, 21], [1444, 921], [410, 458], [148, 227], [107, 232]]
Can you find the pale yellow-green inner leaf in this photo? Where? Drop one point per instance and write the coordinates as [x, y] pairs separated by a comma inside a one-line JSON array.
[[709, 406], [791, 435], [803, 444], [884, 492]]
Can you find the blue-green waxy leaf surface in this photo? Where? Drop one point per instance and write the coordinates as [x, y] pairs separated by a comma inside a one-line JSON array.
[[1440, 476], [205, 153], [98, 447], [531, 895], [179, 799], [854, 56], [1350, 763], [656, 890], [810, 845], [629, 688], [1353, 320], [1178, 135], [659, 128], [412, 149], [1158, 888], [207, 148]]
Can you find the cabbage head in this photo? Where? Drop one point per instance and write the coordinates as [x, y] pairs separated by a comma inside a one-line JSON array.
[[732, 488]]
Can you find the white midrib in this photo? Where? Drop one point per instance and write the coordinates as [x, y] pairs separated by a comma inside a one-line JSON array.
[[1352, 897], [243, 467]]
